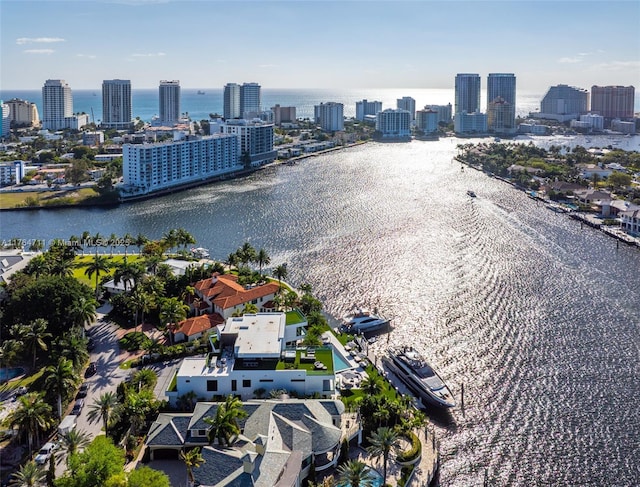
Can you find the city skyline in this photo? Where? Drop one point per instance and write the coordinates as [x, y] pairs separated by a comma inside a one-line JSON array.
[[419, 44]]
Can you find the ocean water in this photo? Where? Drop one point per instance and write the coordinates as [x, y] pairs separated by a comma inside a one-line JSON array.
[[537, 316], [145, 102]]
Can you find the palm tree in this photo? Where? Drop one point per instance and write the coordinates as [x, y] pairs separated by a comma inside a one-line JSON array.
[[127, 272], [382, 441], [280, 273], [96, 241], [372, 385], [192, 459], [32, 416], [30, 475], [32, 336], [355, 474], [142, 301], [60, 379], [262, 259], [85, 240], [73, 441], [145, 379], [100, 265], [140, 242], [233, 260], [38, 266], [184, 238], [170, 239], [84, 311], [246, 253], [61, 267], [113, 241], [225, 424], [172, 312], [103, 408], [73, 346], [127, 240]]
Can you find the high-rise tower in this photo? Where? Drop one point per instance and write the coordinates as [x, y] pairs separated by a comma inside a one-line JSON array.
[[169, 102], [231, 102], [467, 93], [613, 101], [501, 102], [250, 101], [116, 104], [57, 104]]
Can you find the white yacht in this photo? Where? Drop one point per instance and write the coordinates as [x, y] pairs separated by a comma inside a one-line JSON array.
[[364, 321], [412, 369], [200, 253]]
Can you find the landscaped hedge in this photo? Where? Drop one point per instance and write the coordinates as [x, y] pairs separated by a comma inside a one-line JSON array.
[[413, 453], [134, 341]]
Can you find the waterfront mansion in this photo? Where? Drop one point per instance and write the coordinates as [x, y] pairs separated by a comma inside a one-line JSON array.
[[253, 355]]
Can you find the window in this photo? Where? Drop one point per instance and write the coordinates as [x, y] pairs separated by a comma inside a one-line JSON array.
[[246, 383], [212, 385], [234, 385], [266, 380]]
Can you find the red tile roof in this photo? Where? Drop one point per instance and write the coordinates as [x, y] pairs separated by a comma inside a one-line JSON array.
[[199, 324], [226, 293]]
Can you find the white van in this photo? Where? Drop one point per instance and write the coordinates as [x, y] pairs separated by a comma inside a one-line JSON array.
[[67, 424]]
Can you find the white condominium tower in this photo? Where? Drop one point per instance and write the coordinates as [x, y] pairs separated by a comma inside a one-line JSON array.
[[116, 104], [231, 101], [467, 93], [169, 102], [407, 103], [330, 116], [501, 102], [250, 101], [57, 104]]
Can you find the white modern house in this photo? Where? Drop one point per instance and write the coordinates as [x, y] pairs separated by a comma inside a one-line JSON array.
[[253, 355]]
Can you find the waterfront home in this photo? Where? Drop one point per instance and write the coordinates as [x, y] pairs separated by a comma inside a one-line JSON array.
[[278, 441], [222, 294], [588, 170], [255, 354], [630, 220], [588, 196]]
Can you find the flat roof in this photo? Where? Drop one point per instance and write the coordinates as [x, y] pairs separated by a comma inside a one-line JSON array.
[[259, 335]]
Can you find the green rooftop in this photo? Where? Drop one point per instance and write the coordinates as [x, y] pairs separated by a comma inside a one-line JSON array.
[[295, 317]]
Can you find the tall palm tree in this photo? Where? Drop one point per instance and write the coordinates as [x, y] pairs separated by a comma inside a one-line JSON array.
[[61, 267], [233, 260], [96, 241], [224, 426], [184, 238], [73, 346], [84, 312], [170, 239], [30, 475], [262, 259], [192, 459], [355, 474], [85, 240], [99, 265], [372, 385], [113, 241], [32, 416], [127, 240], [32, 336], [142, 302], [382, 441], [140, 242], [280, 273], [60, 379], [103, 408], [38, 266], [128, 272], [145, 379], [246, 253], [172, 311], [73, 441]]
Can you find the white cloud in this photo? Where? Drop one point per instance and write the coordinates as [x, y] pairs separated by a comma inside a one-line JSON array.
[[45, 40], [149, 54], [88, 56], [569, 60], [39, 51]]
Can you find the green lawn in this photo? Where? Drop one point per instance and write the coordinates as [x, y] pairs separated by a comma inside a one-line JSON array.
[[295, 317], [45, 198], [82, 261]]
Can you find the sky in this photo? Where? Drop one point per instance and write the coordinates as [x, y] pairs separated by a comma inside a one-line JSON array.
[[318, 44]]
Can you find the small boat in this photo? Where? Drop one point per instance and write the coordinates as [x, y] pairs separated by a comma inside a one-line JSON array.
[[200, 92], [416, 373], [363, 321], [200, 253], [471, 193]]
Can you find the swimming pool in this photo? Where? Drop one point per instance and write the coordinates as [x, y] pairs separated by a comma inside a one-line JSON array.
[[10, 373], [375, 482], [340, 363]]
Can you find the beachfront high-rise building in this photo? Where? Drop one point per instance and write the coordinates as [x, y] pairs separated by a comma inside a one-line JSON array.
[[427, 120], [5, 127], [231, 101], [57, 104], [501, 102], [283, 114], [467, 93], [407, 103], [23, 113], [250, 101], [330, 116], [563, 103], [613, 101], [159, 166], [116, 104], [364, 108], [169, 102], [395, 124]]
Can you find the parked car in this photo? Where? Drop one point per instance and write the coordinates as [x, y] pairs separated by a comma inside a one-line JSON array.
[[45, 453], [77, 407], [82, 392], [91, 370]]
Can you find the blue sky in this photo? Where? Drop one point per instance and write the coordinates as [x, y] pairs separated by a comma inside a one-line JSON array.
[[307, 44]]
